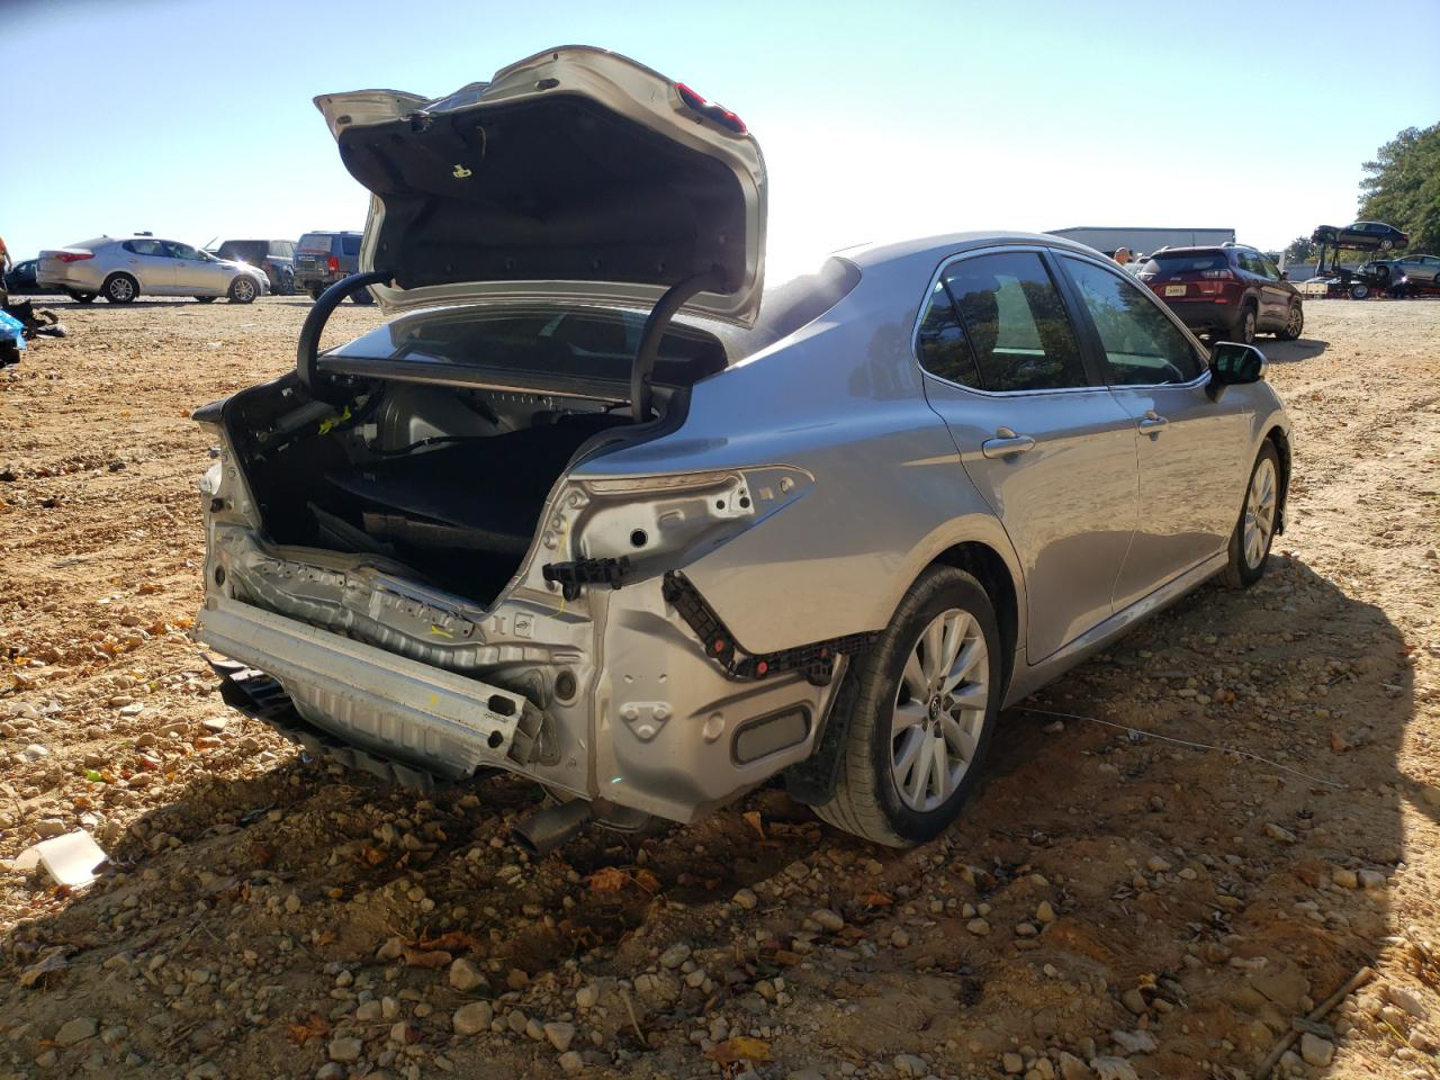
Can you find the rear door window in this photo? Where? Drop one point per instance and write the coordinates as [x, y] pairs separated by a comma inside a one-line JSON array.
[[144, 247], [1016, 323], [350, 245], [1142, 346], [940, 341]]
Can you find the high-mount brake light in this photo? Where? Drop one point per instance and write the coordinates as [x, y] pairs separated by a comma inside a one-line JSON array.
[[718, 113], [75, 256]]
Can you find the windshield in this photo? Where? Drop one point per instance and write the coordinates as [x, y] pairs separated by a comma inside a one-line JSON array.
[[1186, 262]]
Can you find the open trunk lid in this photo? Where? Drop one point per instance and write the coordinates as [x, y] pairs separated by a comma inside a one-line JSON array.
[[575, 175]]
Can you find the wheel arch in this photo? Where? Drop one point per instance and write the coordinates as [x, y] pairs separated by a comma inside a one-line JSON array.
[[987, 566], [134, 278], [1280, 438]]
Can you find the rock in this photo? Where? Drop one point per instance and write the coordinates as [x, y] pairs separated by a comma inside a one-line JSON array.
[[1134, 1042], [48, 827], [368, 1012], [1346, 879], [1403, 999], [34, 752], [331, 1070], [346, 1048], [571, 1062], [1275, 832], [805, 1074], [473, 1018], [400, 1032], [745, 898], [675, 955], [587, 997], [76, 1030], [1372, 879], [391, 950], [465, 976], [47, 1059], [1114, 1068], [978, 927], [1072, 1068], [1044, 912], [1315, 1050], [1156, 865], [900, 939], [1013, 1064], [830, 921], [1285, 987], [561, 1035], [1134, 1001], [910, 1065], [1026, 929]]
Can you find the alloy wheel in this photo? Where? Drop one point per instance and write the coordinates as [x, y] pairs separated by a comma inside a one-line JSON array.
[[1295, 322], [939, 710], [1259, 513], [244, 289], [121, 289]]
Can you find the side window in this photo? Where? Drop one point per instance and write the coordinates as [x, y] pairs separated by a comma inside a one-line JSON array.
[[941, 341], [181, 251], [1016, 324], [351, 245], [144, 247], [1142, 346]]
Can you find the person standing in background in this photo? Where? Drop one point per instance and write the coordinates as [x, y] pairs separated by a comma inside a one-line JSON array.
[[1122, 255]]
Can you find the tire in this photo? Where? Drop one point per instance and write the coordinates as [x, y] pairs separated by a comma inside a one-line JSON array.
[[243, 290], [315, 291], [888, 717], [1294, 323], [287, 284], [1259, 511], [205, 299], [1359, 291], [84, 297], [1244, 330], [120, 289]]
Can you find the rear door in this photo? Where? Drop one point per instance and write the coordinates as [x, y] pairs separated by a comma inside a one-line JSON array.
[[1192, 451], [151, 264], [1046, 444], [1276, 302]]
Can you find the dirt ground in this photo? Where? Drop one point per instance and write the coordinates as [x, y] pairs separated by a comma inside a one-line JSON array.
[[1111, 905]]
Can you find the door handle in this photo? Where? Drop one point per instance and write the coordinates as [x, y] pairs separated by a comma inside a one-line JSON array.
[[1152, 422], [1005, 443]]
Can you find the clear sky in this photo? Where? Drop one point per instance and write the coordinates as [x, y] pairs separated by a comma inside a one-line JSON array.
[[194, 119]]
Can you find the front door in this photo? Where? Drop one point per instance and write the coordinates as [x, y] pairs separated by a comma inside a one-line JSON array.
[[1191, 450], [196, 274], [1047, 446]]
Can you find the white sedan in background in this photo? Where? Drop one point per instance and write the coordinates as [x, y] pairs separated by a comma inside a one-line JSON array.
[[124, 268]]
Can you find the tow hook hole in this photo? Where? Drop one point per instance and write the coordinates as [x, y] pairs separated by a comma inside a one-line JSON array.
[[565, 685], [639, 538], [495, 740], [219, 575]]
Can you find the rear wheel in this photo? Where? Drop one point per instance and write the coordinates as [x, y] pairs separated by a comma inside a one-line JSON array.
[[1245, 328], [120, 289], [1255, 531], [205, 299], [1294, 323], [242, 290], [1359, 291], [924, 710]]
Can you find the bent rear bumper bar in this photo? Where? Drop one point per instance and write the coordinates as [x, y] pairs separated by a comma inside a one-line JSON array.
[[404, 711]]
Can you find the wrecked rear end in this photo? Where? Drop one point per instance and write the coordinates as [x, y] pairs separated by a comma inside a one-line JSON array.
[[415, 551]]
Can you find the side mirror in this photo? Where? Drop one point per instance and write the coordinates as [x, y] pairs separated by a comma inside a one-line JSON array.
[[1233, 364]]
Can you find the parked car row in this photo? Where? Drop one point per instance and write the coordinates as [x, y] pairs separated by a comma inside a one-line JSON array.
[[123, 268]]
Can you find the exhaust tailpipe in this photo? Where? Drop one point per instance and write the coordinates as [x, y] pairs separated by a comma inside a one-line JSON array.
[[545, 830]]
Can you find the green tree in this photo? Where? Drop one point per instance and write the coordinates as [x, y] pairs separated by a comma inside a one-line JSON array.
[[1301, 249], [1402, 186]]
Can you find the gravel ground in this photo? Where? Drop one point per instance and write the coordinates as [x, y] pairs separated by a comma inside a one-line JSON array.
[[1111, 905]]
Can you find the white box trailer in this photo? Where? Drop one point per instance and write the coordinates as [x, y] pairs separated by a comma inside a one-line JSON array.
[[1143, 240]]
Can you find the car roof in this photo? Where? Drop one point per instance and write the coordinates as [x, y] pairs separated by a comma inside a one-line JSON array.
[[876, 253]]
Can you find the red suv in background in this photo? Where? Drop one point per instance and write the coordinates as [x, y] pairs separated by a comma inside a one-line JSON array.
[[1229, 293]]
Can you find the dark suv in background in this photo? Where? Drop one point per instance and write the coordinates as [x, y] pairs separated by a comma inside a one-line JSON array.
[[1229, 293], [323, 258], [275, 257]]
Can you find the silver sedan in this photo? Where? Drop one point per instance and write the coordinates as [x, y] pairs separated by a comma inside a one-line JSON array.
[[651, 535], [124, 268]]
